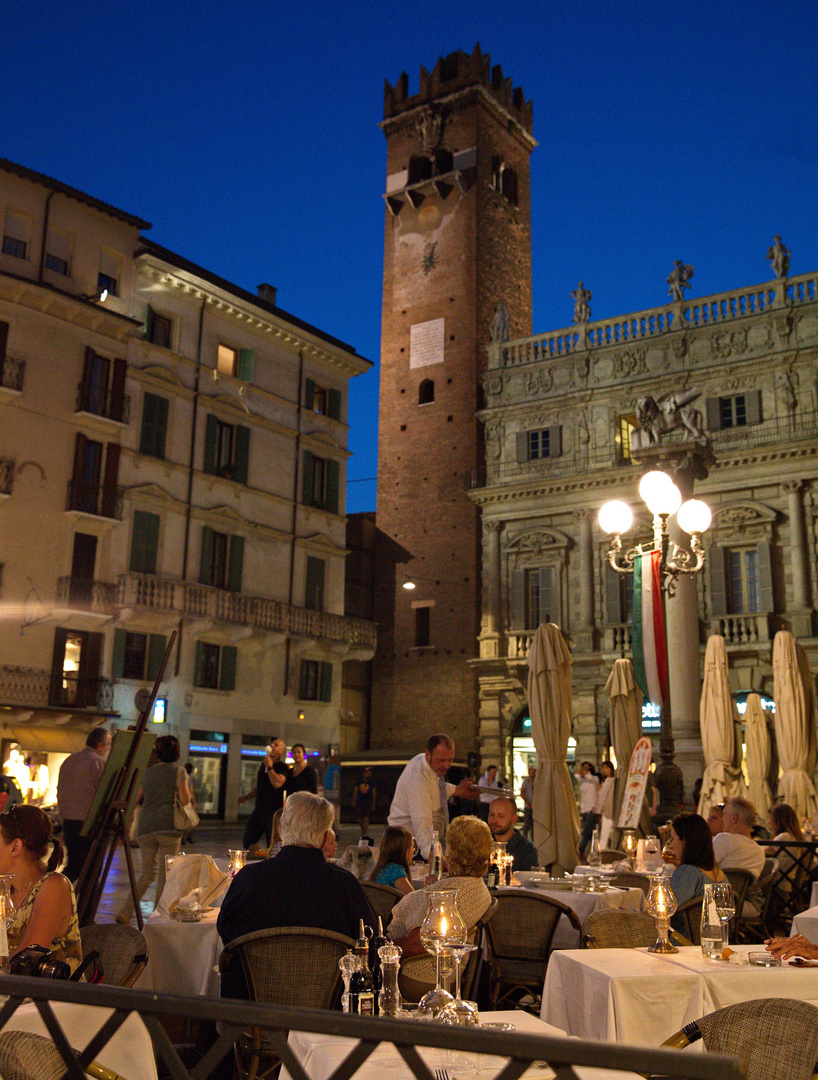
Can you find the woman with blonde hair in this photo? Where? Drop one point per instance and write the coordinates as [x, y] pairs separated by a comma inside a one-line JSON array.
[[395, 853], [783, 823], [468, 847]]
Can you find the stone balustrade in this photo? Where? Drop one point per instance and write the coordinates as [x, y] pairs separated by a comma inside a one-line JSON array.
[[707, 310], [742, 629]]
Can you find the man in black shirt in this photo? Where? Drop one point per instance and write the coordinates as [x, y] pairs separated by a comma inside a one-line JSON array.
[[502, 817], [268, 793], [296, 888]]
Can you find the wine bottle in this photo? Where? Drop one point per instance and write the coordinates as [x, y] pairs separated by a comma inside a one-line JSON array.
[[375, 967], [436, 857], [361, 993]]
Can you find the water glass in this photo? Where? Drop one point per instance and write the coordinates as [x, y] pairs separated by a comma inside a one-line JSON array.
[[712, 938]]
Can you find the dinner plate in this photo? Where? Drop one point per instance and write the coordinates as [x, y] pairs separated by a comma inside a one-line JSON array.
[[533, 877]]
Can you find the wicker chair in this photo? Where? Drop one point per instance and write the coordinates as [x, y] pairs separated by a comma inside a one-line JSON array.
[[288, 965], [610, 856], [625, 879], [613, 928], [742, 881], [777, 1038], [412, 989], [753, 922], [25, 1056], [519, 938], [123, 951], [382, 898]]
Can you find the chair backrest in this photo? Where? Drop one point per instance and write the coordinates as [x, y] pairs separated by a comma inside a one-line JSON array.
[[613, 928], [292, 965], [741, 880], [776, 1037], [523, 926], [382, 899], [688, 918], [123, 951], [624, 879], [612, 855]]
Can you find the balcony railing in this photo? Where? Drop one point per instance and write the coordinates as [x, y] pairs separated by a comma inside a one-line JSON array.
[[742, 629], [32, 687], [205, 601], [95, 499], [87, 595], [12, 373], [24, 686], [90, 399], [7, 467], [82, 692]]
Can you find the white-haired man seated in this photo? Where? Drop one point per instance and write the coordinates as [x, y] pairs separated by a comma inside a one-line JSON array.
[[296, 888]]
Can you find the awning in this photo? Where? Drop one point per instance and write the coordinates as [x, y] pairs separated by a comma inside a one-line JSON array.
[[56, 740]]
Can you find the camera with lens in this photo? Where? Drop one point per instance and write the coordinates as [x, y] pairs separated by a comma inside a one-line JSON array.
[[39, 961]]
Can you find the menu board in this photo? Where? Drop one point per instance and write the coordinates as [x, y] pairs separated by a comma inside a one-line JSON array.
[[635, 785]]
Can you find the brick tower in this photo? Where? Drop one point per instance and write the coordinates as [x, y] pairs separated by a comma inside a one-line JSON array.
[[457, 244]]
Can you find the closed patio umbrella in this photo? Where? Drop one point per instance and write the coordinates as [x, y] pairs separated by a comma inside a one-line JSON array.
[[718, 718], [626, 729], [792, 733], [759, 755], [556, 821]]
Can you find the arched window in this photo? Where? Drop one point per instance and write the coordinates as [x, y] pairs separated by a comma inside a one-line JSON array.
[[426, 392]]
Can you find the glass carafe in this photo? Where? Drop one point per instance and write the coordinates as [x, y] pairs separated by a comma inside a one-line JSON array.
[[712, 936], [442, 923]]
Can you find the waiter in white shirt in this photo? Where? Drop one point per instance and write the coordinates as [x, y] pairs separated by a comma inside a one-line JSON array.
[[421, 799]]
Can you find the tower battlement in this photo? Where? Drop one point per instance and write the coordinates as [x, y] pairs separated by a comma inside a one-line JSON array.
[[453, 73]]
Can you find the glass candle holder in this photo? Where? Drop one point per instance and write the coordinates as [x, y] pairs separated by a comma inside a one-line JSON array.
[[238, 859], [660, 905], [442, 924]]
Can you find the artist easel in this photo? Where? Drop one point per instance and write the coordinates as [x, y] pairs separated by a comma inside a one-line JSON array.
[[112, 827]]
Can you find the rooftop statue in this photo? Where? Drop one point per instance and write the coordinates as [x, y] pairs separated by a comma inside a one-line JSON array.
[[679, 280], [582, 303], [779, 258], [499, 324], [672, 411]]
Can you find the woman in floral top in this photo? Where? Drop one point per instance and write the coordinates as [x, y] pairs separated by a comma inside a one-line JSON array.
[[44, 906]]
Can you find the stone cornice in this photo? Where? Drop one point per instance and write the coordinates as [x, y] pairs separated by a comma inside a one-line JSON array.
[[407, 120], [66, 307]]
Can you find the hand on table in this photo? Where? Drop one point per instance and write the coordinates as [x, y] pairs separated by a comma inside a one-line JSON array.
[[784, 948]]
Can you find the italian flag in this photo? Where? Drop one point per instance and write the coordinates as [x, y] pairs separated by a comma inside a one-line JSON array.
[[649, 641]]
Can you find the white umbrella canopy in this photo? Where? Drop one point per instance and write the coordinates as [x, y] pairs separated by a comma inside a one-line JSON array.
[[759, 755], [718, 718], [792, 719], [556, 821], [626, 728]]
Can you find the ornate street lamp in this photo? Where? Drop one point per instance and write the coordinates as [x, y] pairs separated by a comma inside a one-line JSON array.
[[659, 567]]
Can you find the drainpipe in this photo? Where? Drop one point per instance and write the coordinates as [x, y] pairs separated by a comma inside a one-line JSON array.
[[295, 511], [191, 469], [45, 236]]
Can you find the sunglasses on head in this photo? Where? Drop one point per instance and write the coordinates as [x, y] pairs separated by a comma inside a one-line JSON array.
[[11, 811]]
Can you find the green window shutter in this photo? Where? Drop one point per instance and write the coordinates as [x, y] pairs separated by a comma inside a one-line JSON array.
[[118, 659], [241, 453], [334, 404], [198, 674], [156, 652], [325, 688], [718, 582], [752, 406], [144, 542], [227, 667], [612, 583], [307, 494], [207, 556], [518, 600], [149, 323], [246, 365], [548, 595], [314, 587], [522, 446], [766, 598], [333, 486], [309, 393], [236, 562], [210, 444], [555, 441], [713, 413], [154, 425]]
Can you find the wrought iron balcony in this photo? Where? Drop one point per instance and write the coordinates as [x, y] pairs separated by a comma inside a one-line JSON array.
[[90, 399], [95, 499], [82, 692], [32, 687]]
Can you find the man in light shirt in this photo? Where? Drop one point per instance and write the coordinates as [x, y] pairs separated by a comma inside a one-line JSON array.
[[734, 848], [421, 799], [487, 780], [77, 785], [588, 791]]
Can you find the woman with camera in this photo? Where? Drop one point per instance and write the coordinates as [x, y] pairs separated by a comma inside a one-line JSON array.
[[44, 907]]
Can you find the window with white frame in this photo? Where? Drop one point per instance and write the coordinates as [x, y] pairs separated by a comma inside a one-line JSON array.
[[734, 411], [534, 597], [539, 443]]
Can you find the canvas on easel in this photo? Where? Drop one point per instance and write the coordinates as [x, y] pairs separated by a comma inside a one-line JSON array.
[[116, 761]]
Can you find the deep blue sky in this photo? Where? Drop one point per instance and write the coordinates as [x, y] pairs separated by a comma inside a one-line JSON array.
[[246, 132]]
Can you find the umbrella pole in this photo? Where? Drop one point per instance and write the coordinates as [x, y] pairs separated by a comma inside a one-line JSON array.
[[669, 779]]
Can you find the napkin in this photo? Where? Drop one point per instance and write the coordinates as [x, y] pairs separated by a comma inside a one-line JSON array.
[[192, 879]]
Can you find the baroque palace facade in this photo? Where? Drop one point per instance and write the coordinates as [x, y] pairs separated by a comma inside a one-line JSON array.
[[172, 457], [560, 409]]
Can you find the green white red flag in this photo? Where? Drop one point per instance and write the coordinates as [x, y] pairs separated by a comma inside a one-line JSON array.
[[649, 640]]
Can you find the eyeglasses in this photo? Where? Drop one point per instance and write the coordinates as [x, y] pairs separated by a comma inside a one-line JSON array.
[[11, 812]]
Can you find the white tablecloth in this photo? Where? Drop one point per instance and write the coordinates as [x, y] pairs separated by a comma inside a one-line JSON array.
[[631, 995], [807, 922], [321, 1054], [582, 904], [182, 956], [129, 1052]]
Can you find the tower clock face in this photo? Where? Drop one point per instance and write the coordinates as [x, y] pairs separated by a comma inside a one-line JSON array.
[[428, 217]]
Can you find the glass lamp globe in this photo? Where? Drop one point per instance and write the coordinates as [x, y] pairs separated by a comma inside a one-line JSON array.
[[615, 517], [694, 516], [660, 493]]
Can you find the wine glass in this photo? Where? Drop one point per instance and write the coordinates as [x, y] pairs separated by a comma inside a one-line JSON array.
[[441, 926], [458, 1011], [725, 905]]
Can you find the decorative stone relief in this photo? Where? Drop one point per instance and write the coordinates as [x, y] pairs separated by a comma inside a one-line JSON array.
[[495, 434], [493, 383], [537, 542], [747, 520], [539, 382], [673, 410], [787, 382], [630, 362], [430, 128], [729, 342]]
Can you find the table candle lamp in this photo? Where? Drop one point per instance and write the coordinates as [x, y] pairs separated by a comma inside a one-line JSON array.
[[238, 859], [442, 925], [660, 905], [629, 844]]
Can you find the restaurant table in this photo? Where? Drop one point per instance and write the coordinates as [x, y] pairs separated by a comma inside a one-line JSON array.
[[633, 996], [321, 1054], [806, 923], [182, 956], [582, 904], [129, 1052]]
